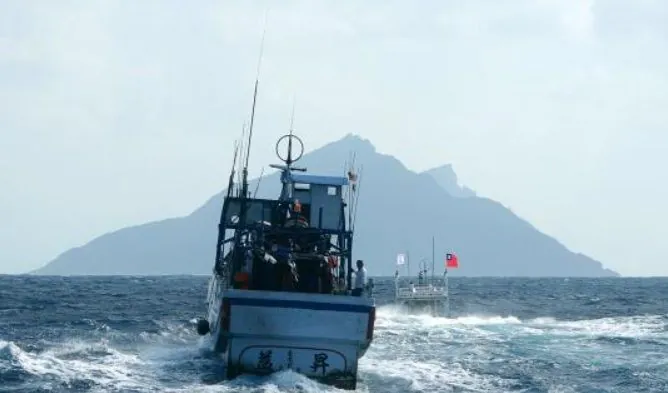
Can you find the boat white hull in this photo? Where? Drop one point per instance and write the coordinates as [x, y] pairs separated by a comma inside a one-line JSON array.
[[319, 336]]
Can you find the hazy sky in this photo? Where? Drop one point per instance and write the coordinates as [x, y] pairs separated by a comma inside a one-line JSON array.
[[114, 113]]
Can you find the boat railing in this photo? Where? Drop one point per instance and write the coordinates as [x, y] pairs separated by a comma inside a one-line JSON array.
[[421, 292]]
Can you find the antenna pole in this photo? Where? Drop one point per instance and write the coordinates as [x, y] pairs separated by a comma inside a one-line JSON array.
[[408, 264], [432, 258], [292, 117], [259, 180], [292, 123], [240, 162], [252, 119]]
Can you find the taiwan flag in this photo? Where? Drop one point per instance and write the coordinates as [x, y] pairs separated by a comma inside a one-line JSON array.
[[451, 261]]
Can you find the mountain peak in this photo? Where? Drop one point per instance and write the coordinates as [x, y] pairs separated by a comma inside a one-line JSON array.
[[398, 210], [354, 142], [446, 177]]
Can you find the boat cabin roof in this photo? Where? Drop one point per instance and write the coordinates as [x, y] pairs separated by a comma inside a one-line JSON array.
[[317, 179]]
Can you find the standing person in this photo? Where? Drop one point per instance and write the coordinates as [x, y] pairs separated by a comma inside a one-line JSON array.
[[360, 279]]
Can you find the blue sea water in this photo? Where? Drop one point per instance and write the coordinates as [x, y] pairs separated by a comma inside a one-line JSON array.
[[135, 334]]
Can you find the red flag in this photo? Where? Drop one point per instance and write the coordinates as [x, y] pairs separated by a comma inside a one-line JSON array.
[[451, 261]]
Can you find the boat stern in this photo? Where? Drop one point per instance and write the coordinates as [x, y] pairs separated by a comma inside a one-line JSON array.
[[320, 336]]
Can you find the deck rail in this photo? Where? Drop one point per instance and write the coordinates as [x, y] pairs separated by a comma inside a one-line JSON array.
[[421, 292]]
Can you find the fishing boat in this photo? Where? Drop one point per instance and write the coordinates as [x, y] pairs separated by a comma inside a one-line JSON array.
[[281, 295], [424, 293]]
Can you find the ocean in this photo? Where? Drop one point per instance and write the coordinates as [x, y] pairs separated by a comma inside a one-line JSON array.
[[136, 334]]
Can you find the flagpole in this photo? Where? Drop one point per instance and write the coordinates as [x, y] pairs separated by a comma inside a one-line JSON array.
[[447, 290], [408, 264], [433, 258]]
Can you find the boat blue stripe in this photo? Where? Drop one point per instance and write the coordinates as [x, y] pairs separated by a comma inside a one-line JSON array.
[[299, 304]]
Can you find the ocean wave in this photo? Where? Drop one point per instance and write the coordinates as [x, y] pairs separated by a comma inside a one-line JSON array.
[[138, 335]]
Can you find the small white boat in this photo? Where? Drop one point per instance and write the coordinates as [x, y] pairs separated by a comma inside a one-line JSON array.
[[424, 292]]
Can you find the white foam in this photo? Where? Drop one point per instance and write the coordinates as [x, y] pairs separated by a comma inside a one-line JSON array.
[[427, 376], [74, 360], [409, 353]]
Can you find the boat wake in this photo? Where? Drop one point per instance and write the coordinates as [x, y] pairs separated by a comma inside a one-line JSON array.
[[421, 353]]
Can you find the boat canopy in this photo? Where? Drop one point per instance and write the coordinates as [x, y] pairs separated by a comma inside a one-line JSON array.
[[336, 181]]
